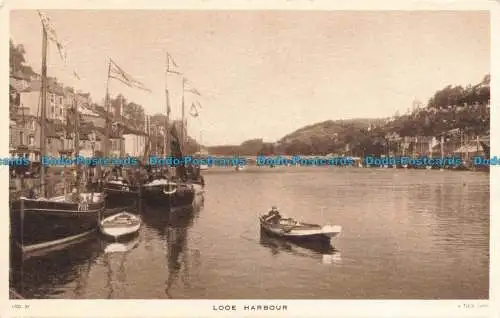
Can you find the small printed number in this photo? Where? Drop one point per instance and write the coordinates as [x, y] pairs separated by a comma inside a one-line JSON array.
[[19, 306]]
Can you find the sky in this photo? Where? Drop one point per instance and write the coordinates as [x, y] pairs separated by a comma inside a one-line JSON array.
[[264, 74]]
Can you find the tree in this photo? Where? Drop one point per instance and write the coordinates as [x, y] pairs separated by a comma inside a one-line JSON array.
[[17, 60]]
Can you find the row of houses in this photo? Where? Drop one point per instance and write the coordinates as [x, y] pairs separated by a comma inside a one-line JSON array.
[[455, 144], [25, 100]]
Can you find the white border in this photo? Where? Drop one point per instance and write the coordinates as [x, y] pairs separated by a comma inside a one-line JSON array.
[[296, 308]]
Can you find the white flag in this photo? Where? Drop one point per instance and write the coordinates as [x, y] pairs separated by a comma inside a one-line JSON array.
[[52, 36], [188, 87], [119, 74], [172, 67]]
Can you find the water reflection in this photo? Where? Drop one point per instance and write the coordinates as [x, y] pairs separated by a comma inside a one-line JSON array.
[[36, 276], [175, 233], [311, 249], [117, 252]]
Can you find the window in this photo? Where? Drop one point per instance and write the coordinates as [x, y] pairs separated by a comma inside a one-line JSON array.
[[31, 140], [21, 138], [60, 100]]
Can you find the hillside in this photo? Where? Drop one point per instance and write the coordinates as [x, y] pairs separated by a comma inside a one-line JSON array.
[[453, 108]]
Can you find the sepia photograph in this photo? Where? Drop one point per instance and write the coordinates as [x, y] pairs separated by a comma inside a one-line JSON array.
[[249, 154]]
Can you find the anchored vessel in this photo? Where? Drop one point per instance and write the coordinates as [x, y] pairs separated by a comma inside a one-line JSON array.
[[119, 191], [41, 222], [166, 189]]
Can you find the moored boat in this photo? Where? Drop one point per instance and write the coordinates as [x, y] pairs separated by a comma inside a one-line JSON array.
[[119, 191], [43, 223], [120, 225], [168, 193], [275, 224]]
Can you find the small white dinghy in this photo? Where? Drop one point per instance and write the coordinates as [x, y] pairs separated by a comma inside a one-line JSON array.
[[275, 224], [120, 225]]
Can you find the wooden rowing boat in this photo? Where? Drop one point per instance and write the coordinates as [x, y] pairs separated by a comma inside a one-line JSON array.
[[291, 229], [120, 225]]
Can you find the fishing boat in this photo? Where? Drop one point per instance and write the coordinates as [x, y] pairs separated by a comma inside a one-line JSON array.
[[120, 225], [289, 228], [41, 221], [119, 191], [171, 189], [168, 193]]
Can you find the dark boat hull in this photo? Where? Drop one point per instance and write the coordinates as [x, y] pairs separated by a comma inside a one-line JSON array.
[[301, 233], [117, 195], [317, 246], [319, 239], [155, 195], [37, 224]]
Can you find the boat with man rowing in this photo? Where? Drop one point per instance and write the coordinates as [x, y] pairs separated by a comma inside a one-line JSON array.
[[276, 224]]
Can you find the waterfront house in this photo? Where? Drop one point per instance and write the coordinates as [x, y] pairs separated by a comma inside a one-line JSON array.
[[30, 99], [134, 142]]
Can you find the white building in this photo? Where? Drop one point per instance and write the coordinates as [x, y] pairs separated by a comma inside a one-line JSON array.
[[134, 143]]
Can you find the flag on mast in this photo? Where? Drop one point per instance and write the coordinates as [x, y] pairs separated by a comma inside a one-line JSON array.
[[119, 74], [171, 65], [188, 87], [194, 109], [52, 36]]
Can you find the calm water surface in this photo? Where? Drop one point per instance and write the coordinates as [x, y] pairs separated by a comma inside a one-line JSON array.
[[406, 234]]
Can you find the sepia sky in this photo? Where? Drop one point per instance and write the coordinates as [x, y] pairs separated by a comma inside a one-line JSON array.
[[265, 74]]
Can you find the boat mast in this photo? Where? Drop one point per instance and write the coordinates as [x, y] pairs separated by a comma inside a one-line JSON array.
[[182, 118], [43, 115], [106, 107], [77, 141], [166, 139], [442, 146]]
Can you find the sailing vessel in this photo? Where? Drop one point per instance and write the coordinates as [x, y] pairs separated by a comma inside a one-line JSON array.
[[119, 191], [42, 222], [164, 189]]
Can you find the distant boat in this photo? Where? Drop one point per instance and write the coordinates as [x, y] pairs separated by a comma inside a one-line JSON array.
[[203, 167], [120, 225], [239, 168], [294, 230]]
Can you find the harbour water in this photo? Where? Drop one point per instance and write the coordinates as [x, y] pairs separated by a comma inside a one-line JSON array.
[[407, 234]]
